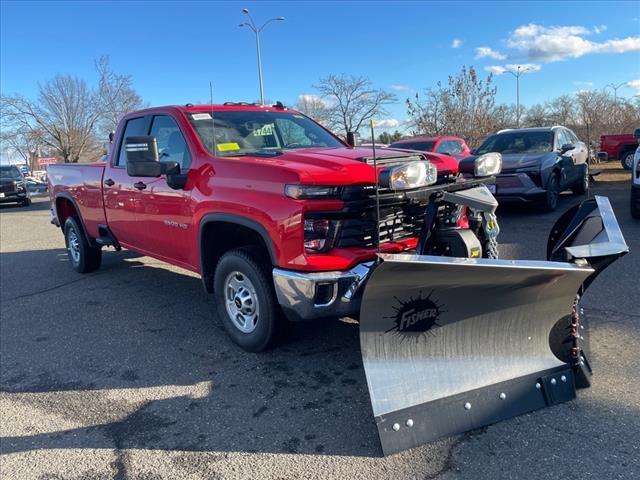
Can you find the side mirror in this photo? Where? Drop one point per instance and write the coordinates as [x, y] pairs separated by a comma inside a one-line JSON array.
[[566, 147], [603, 156], [143, 159], [353, 139]]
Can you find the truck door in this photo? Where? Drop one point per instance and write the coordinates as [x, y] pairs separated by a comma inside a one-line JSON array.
[[165, 217], [121, 198]]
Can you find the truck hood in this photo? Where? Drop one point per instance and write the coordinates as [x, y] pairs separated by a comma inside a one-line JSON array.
[[342, 165]]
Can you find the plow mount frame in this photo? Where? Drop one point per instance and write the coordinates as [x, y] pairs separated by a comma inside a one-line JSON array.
[[453, 344]]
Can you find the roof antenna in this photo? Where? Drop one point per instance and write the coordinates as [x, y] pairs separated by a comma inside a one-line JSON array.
[[214, 146], [375, 168]]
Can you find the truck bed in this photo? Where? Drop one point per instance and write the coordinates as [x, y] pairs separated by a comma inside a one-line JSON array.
[[81, 183]]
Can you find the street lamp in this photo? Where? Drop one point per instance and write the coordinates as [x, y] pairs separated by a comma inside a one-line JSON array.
[[519, 71], [615, 94], [251, 24]]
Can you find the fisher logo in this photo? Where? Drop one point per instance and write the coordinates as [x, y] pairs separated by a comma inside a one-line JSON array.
[[416, 315]]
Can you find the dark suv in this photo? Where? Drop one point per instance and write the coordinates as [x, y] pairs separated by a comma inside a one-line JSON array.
[[538, 164], [13, 186]]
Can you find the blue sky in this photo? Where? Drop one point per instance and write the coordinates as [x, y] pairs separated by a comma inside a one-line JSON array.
[[173, 49]]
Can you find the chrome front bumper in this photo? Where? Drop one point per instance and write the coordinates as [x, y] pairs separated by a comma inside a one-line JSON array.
[[312, 295]]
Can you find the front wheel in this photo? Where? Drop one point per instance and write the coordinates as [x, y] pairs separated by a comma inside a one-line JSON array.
[[582, 187], [627, 159], [552, 194], [246, 300], [83, 257]]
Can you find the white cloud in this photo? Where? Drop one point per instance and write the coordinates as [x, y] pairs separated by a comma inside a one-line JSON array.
[[311, 98], [553, 44], [513, 67], [457, 43], [635, 84], [483, 52], [599, 28], [398, 87], [386, 123], [583, 84]]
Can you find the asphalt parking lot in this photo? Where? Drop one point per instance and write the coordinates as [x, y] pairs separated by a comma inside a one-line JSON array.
[[126, 373]]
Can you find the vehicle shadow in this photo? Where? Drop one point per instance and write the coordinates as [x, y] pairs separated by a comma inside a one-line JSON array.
[[133, 357], [37, 203]]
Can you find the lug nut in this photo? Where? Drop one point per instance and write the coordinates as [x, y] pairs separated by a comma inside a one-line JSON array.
[[396, 427], [538, 386], [467, 406], [503, 396], [563, 378], [553, 381], [409, 423]]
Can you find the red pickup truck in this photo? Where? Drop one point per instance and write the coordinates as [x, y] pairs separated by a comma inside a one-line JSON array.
[[621, 147], [272, 210]]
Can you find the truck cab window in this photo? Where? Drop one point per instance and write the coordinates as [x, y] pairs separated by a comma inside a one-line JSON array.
[[134, 128], [171, 144]]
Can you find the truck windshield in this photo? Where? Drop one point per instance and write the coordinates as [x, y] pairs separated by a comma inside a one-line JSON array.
[[517, 142], [9, 171], [249, 132]]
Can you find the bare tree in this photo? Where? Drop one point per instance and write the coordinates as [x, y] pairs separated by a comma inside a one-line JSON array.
[[505, 116], [65, 113], [314, 107], [115, 96], [352, 101], [463, 107], [536, 116], [68, 114]]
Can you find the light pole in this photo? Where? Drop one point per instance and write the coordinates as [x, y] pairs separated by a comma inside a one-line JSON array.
[[615, 94], [252, 25], [519, 71]]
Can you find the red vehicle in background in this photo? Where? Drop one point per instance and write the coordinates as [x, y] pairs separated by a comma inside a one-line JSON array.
[[453, 146], [621, 147]]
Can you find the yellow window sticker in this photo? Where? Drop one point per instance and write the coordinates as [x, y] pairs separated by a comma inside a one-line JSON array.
[[228, 147]]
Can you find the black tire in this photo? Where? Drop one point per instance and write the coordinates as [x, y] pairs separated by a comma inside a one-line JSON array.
[[552, 194], [635, 203], [26, 202], [83, 257], [257, 322], [582, 187], [626, 159]]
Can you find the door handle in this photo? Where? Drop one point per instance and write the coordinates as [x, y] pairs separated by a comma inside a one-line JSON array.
[[109, 183], [140, 185]]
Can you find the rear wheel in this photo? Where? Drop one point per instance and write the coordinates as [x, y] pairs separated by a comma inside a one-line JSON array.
[[246, 300], [552, 194], [582, 187], [627, 159], [83, 257], [26, 202]]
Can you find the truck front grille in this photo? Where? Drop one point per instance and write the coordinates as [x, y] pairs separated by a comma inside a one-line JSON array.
[[400, 218]]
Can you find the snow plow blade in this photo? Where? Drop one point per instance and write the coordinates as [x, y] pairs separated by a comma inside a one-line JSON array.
[[452, 344]]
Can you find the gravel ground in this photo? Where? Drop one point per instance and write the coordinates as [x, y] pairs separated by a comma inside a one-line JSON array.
[[126, 373]]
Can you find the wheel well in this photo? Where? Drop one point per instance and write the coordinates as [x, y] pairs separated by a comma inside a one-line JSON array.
[[218, 237], [64, 209], [624, 151]]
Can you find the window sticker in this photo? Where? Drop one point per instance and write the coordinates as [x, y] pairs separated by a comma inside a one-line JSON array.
[[201, 116], [227, 147], [264, 131]]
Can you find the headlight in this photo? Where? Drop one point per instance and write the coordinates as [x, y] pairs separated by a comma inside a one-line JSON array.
[[488, 164], [408, 176], [308, 192]]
